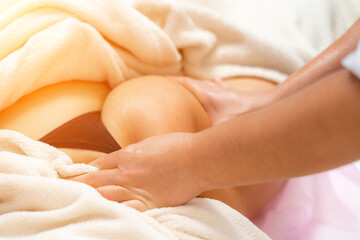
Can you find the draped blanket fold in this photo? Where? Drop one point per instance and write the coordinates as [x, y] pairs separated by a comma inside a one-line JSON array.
[[44, 42], [36, 204]]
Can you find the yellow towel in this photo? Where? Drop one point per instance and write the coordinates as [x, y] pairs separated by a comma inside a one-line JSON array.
[[45, 42]]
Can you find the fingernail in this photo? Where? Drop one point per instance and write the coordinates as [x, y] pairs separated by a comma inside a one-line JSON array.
[[130, 148], [217, 79]]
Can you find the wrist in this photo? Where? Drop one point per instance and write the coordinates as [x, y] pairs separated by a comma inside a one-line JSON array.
[[263, 99], [200, 162], [272, 96]]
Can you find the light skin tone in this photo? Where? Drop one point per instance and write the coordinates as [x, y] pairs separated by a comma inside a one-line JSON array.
[[291, 138], [311, 127], [133, 111], [322, 137]]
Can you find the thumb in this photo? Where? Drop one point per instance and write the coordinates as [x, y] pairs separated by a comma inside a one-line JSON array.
[[218, 80], [196, 87]]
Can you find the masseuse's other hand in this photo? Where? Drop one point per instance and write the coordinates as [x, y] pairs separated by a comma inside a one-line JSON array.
[[220, 101], [157, 172]]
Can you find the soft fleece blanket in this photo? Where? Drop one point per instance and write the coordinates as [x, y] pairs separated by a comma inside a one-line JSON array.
[[49, 41], [36, 204]]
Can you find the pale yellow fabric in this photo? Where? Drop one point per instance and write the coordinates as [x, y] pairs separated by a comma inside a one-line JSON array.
[[36, 204], [49, 41]]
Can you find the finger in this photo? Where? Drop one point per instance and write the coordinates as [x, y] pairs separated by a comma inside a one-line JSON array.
[[187, 82], [109, 161], [191, 82], [116, 193], [179, 79], [100, 178], [218, 80], [196, 87], [136, 204]]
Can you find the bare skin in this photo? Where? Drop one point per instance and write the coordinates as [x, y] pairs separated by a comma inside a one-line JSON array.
[[135, 110], [270, 144], [240, 198], [313, 128], [251, 199], [323, 136]]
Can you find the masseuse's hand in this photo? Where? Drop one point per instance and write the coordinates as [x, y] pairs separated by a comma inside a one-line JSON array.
[[222, 102], [157, 172]]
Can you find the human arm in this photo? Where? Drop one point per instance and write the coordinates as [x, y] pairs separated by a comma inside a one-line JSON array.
[[223, 103], [293, 137], [314, 130], [325, 63], [273, 143]]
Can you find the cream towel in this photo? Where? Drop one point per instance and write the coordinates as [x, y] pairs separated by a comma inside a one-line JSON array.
[[49, 41], [303, 26], [36, 204]]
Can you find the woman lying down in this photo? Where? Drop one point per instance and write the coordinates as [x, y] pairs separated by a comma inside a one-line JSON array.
[[88, 120]]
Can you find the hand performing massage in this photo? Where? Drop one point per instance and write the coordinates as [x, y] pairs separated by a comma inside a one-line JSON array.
[[101, 121], [265, 145]]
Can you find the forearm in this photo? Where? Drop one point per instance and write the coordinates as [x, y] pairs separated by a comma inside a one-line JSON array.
[[311, 131], [326, 62]]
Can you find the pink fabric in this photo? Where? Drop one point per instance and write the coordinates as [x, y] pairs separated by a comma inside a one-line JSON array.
[[317, 207]]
